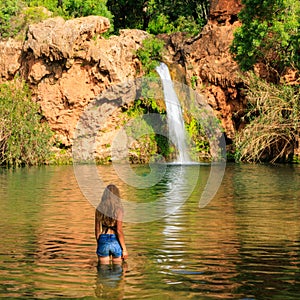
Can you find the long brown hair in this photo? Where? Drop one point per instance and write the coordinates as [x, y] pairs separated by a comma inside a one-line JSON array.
[[109, 206]]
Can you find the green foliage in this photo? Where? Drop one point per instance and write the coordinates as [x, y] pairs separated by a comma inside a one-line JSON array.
[[196, 9], [24, 140], [187, 24], [60, 157], [152, 144], [269, 33], [160, 24], [79, 8], [194, 82], [16, 15], [273, 118], [145, 106], [73, 8], [156, 16], [9, 9], [150, 54], [51, 5], [189, 16], [29, 15], [200, 148], [128, 14], [144, 146], [34, 15]]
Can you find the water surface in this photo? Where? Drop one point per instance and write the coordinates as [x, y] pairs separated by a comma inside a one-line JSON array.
[[245, 244]]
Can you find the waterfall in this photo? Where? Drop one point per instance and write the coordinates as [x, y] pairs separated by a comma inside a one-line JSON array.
[[174, 115]]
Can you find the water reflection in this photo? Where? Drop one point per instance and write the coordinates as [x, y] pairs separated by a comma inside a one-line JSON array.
[[244, 244], [200, 248], [42, 242], [110, 281], [267, 213]]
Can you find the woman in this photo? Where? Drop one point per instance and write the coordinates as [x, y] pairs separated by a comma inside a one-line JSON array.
[[108, 227]]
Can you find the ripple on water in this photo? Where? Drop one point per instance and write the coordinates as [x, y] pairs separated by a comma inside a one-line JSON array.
[[243, 245]]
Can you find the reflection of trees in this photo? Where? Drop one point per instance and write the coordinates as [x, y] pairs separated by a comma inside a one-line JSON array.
[[266, 203], [266, 200], [45, 224], [269, 271], [244, 243]]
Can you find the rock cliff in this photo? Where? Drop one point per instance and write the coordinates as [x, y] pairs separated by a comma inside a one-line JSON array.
[[69, 63]]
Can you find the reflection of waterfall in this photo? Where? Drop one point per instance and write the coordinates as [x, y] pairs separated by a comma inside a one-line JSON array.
[[174, 114]]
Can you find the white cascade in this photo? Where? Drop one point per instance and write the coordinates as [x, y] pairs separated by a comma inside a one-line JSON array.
[[175, 121]]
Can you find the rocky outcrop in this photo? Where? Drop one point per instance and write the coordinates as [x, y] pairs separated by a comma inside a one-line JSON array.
[[216, 73], [68, 64], [224, 12], [10, 57]]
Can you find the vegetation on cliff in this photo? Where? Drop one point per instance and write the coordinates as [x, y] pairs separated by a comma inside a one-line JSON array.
[[150, 55], [269, 35], [24, 139], [273, 122], [148, 145]]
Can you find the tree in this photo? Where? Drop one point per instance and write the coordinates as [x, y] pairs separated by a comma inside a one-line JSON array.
[[79, 8], [198, 10], [269, 33], [128, 14], [145, 14]]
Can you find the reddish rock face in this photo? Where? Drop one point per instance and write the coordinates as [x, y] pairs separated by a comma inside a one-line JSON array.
[[224, 10], [207, 62], [67, 64], [10, 53], [216, 72]]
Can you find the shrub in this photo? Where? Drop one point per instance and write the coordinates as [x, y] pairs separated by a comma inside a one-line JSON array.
[[15, 17], [79, 8], [24, 140], [273, 118], [188, 25], [200, 148], [152, 144], [8, 11], [150, 54]]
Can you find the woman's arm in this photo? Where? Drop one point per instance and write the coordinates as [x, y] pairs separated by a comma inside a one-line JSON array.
[[121, 235], [97, 226]]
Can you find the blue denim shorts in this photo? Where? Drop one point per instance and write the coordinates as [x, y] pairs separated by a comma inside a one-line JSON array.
[[108, 244]]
